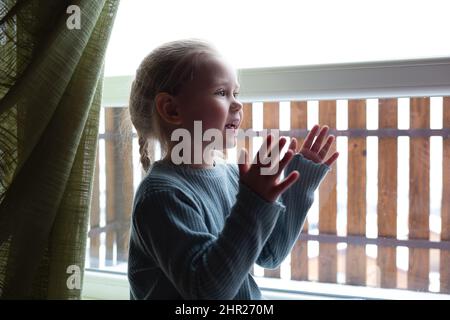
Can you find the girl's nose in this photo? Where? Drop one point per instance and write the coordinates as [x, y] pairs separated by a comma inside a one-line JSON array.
[[236, 105]]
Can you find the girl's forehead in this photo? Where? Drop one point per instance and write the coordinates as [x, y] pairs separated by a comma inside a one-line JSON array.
[[217, 70]]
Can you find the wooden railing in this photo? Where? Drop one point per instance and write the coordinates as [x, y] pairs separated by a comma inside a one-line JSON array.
[[117, 172], [342, 256]]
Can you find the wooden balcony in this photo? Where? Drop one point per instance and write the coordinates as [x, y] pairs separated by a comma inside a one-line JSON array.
[[375, 222]]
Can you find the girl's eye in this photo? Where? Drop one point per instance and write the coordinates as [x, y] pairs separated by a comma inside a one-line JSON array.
[[223, 93]]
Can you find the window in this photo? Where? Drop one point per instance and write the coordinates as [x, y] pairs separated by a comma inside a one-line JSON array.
[[254, 34], [385, 217]]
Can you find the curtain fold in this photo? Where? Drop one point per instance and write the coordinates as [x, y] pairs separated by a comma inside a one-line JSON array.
[[50, 90]]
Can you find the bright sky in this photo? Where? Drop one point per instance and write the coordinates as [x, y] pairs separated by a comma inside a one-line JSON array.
[[261, 33]]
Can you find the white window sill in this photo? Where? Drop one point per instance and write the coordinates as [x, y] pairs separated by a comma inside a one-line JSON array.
[[99, 285]]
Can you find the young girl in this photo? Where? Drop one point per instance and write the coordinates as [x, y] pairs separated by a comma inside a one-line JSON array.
[[197, 229]]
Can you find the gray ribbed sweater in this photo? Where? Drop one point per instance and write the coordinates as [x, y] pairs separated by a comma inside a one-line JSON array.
[[196, 233]]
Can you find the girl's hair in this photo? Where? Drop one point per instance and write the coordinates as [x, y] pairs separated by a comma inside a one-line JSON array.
[[166, 69]]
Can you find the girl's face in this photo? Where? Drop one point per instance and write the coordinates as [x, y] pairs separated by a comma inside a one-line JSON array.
[[211, 98]]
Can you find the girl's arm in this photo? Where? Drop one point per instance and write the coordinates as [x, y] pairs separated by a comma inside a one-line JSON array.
[[169, 227], [299, 198]]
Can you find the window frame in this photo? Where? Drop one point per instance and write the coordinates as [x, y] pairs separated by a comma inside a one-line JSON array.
[[386, 79]]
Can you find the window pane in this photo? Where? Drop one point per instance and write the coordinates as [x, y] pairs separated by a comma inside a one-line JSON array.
[[255, 33]]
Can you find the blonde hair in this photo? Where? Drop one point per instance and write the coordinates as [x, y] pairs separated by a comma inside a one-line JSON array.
[[166, 69]]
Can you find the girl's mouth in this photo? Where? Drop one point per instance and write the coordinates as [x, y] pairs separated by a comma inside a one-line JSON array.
[[230, 126], [233, 124]]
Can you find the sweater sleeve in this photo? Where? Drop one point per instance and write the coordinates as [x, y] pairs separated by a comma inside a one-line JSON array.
[[297, 200], [171, 228]]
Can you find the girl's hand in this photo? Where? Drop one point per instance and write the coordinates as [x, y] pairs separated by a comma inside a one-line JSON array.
[[266, 186], [315, 151]]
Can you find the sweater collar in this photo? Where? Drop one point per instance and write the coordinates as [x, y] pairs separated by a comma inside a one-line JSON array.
[[187, 170]]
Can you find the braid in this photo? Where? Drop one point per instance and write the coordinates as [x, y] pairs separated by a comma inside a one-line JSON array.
[[143, 150]]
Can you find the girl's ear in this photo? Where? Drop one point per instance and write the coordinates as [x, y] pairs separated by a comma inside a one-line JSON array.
[[167, 108]]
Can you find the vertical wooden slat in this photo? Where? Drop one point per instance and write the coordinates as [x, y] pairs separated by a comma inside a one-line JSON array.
[[271, 115], [299, 254], [356, 215], [110, 164], [445, 211], [387, 193], [271, 120], [94, 218], [328, 203], [119, 183], [247, 123], [419, 194], [124, 175]]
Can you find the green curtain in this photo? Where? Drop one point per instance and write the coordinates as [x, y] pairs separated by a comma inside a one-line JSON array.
[[50, 90]]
